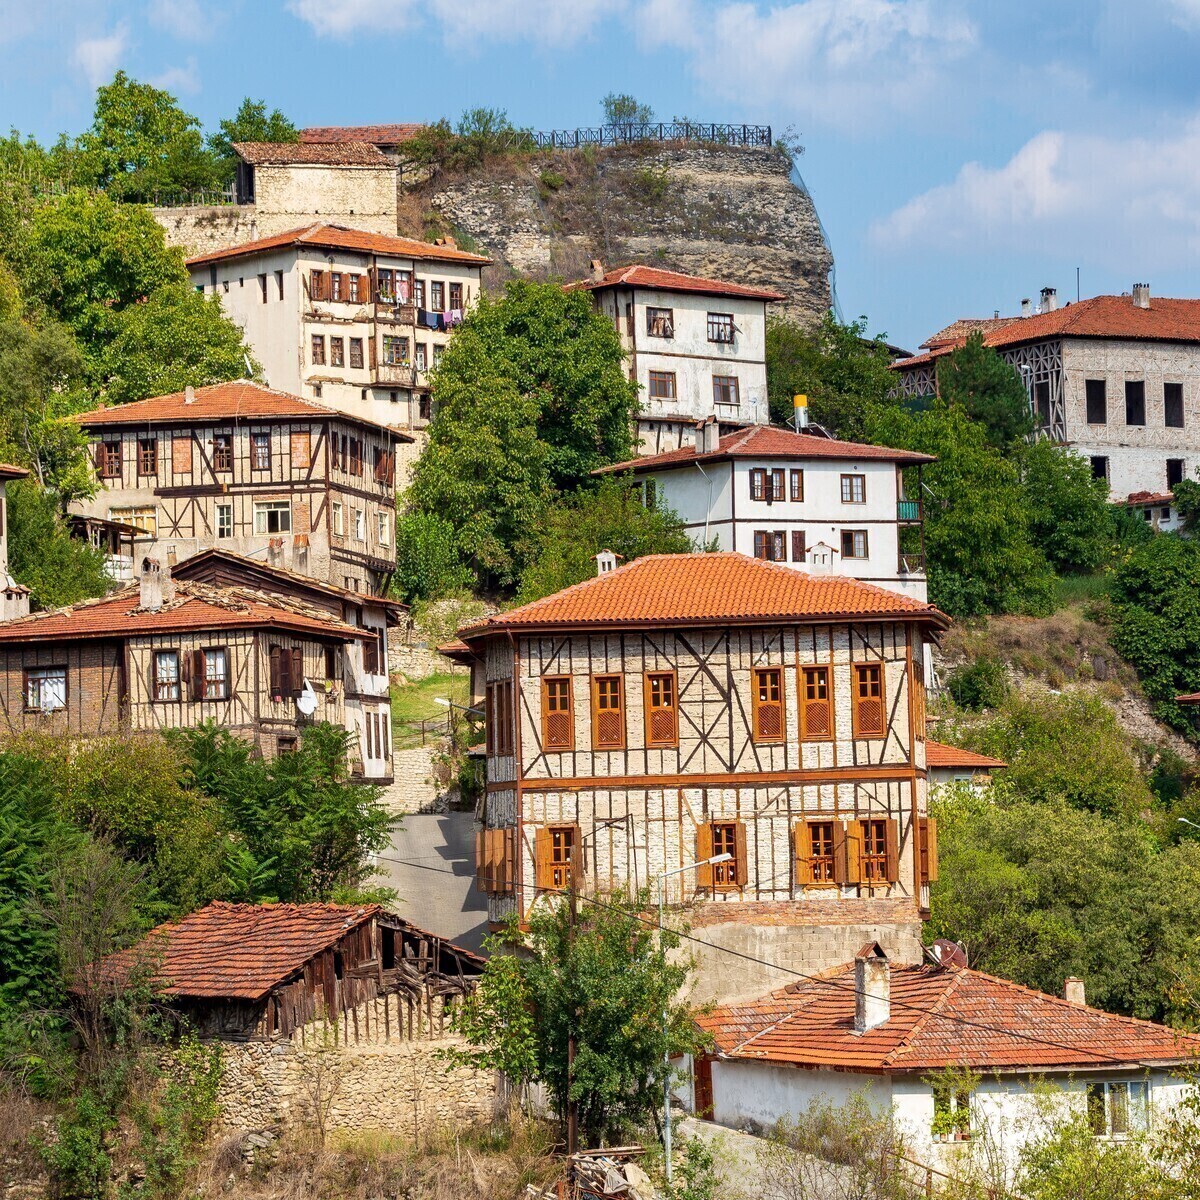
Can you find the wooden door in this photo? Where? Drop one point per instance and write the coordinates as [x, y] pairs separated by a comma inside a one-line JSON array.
[[702, 1085]]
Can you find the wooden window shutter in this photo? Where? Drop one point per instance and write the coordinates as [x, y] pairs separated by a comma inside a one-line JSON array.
[[198, 669], [869, 681], [276, 670], [558, 716], [927, 831], [364, 289], [767, 704], [285, 671], [800, 851], [481, 841], [741, 870], [181, 454], [371, 277], [704, 849], [508, 859], [816, 704], [185, 675], [543, 862], [893, 850], [847, 851]]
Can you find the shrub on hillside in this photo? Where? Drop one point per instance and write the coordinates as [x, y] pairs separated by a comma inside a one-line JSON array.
[[979, 684], [427, 562]]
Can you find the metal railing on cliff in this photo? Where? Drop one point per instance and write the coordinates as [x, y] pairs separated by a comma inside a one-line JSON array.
[[715, 133]]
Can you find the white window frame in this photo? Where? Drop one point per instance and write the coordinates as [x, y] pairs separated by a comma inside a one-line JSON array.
[[384, 532], [213, 656], [264, 508], [44, 684], [338, 518], [224, 520], [360, 525], [143, 516], [168, 678]]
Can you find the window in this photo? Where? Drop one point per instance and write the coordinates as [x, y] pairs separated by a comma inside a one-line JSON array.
[[262, 287], [1135, 402], [662, 715], [272, 516], [337, 352], [147, 456], [316, 387], [356, 456], [437, 296], [951, 1112], [356, 352], [1041, 402], [278, 285], [555, 846], [144, 517], [419, 292], [360, 525], [558, 716], [815, 857], [45, 689], [725, 841], [422, 357], [767, 485], [770, 545], [816, 705], [1117, 1109], [1099, 466], [286, 743], [456, 297], [395, 350], [725, 390], [108, 460], [166, 675], [1173, 405], [354, 288], [767, 704], [854, 543], [660, 322], [868, 700], [608, 713], [720, 327], [799, 549], [424, 407], [260, 451], [1096, 401], [854, 489], [1174, 472], [758, 484], [339, 521], [318, 349], [438, 351], [498, 711], [797, 491], [222, 459], [215, 676], [662, 385], [335, 286], [224, 520], [874, 854], [384, 532]]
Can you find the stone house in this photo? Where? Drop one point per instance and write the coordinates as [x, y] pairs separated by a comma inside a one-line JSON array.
[[812, 502], [892, 1032], [948, 765], [161, 655], [688, 705], [695, 347], [351, 319], [1115, 378], [14, 596], [252, 470], [339, 1005], [364, 678], [387, 139]]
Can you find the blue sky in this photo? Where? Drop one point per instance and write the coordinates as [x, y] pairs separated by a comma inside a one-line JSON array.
[[961, 155]]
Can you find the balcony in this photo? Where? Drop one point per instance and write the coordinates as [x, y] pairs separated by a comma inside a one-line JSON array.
[[399, 374], [908, 512], [912, 564], [395, 314]]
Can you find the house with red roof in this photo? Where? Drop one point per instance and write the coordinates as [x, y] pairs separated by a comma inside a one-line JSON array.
[[695, 347], [812, 502], [950, 765], [687, 706], [962, 1060], [353, 318], [1116, 378]]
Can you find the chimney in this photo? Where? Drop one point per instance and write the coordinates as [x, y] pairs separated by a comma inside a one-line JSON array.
[[1141, 295], [995, 314], [189, 394], [1074, 991], [151, 585], [708, 436], [597, 269], [1049, 299], [872, 988], [606, 562], [1026, 307], [450, 243]]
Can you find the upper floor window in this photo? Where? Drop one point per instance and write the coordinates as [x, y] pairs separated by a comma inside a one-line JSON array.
[[418, 290], [1096, 401], [318, 350], [770, 544], [437, 296], [384, 531], [816, 705], [662, 385], [272, 516], [395, 350], [316, 284], [147, 456], [1135, 402], [767, 704], [45, 689], [262, 287], [301, 448], [224, 520], [854, 489], [816, 854], [108, 460], [1173, 405], [166, 675], [214, 674], [260, 451], [951, 1111], [360, 525], [337, 352], [868, 700], [1099, 466], [722, 837], [353, 288], [335, 286], [874, 858], [660, 322], [383, 284], [1174, 472], [725, 390], [767, 485], [554, 851], [422, 362], [499, 714], [854, 543], [558, 715], [456, 297], [797, 492], [222, 459], [662, 716], [144, 517], [720, 327], [356, 353], [608, 713]]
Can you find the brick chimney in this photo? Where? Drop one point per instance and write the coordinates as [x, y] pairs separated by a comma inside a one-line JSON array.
[[872, 988], [597, 270], [150, 584], [1074, 991], [1141, 295]]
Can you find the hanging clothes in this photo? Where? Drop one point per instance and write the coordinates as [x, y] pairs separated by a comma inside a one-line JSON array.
[[427, 318], [454, 317]]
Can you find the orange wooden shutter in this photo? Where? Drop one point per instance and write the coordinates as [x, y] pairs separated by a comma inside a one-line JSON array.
[[767, 705], [742, 873], [893, 850], [816, 712], [847, 847], [364, 289], [481, 836], [927, 828], [868, 700], [802, 851], [704, 849], [543, 858], [508, 873], [608, 717], [181, 455], [558, 724]]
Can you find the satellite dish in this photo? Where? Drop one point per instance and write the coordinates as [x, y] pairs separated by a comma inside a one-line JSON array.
[[306, 702]]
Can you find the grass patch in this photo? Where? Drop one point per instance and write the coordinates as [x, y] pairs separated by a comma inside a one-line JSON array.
[[417, 702], [1081, 589]]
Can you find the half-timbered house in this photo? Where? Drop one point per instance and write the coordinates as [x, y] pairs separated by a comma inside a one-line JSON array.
[[255, 471], [686, 706], [162, 655]]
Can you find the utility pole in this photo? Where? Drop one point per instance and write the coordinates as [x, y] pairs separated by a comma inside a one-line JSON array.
[[572, 1103]]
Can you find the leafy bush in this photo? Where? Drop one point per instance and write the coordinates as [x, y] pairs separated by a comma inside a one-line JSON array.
[[979, 684], [427, 562], [1069, 513]]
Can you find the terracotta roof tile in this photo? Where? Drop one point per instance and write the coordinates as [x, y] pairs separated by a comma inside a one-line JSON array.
[[938, 754], [377, 135], [681, 589], [636, 275], [957, 331], [767, 441], [941, 1016], [1148, 498], [240, 399], [237, 951], [9, 471], [338, 237], [334, 154]]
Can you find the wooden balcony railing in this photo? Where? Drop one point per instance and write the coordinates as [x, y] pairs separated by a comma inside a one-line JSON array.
[[908, 512], [395, 313], [398, 373]]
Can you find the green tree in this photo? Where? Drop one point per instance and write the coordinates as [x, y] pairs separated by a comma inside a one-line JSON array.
[[561, 548], [427, 561], [988, 389], [609, 983], [1068, 507], [844, 374], [178, 337], [623, 109], [251, 123], [142, 143]]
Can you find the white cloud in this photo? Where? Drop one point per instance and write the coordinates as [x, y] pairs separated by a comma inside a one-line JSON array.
[[186, 20], [549, 22], [185, 79], [1130, 203], [99, 57], [341, 18]]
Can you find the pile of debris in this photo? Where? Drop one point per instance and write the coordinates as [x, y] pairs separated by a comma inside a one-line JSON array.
[[607, 1174]]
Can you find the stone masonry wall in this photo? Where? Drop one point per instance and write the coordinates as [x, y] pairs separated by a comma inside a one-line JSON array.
[[201, 229]]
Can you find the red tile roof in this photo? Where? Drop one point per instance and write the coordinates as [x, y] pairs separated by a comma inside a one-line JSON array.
[[767, 441], [958, 331], [237, 951], [636, 275], [377, 135], [8, 471], [941, 1016], [238, 400], [1166, 320], [937, 754], [338, 237], [333, 154], [707, 589], [194, 607], [1136, 498], [1190, 698]]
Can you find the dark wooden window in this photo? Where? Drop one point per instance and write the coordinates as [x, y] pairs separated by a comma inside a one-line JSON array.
[[45, 689], [456, 297], [767, 704], [262, 287], [331, 658], [208, 673], [777, 480], [318, 349], [108, 460], [854, 489], [1096, 401], [758, 484], [1174, 472], [816, 705], [148, 456], [558, 716], [816, 852], [725, 390], [877, 860], [1173, 405], [553, 849], [928, 843], [370, 652], [354, 288], [869, 716], [337, 352], [286, 669], [383, 284], [799, 548], [660, 322], [722, 837], [797, 492], [662, 385], [770, 544], [854, 543], [166, 682], [495, 861], [286, 743], [499, 717], [356, 352], [662, 712], [1041, 402], [318, 286], [385, 466], [720, 327], [437, 296], [260, 451], [356, 457], [278, 285], [222, 459], [1135, 402], [608, 713]]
